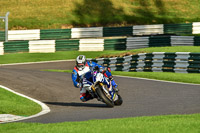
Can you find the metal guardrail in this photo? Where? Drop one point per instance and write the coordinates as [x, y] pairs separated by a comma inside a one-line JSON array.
[[15, 47], [99, 44], [42, 46], [179, 62], [94, 32]]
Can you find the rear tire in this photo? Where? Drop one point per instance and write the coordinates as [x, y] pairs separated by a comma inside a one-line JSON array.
[[104, 97]]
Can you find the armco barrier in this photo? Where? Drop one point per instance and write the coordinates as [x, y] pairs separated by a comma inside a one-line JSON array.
[[1, 48], [182, 40], [137, 42], [2, 36], [179, 29], [148, 29], [117, 31], [24, 35], [98, 44], [195, 28], [197, 41], [15, 47], [161, 41], [66, 45], [158, 41], [93, 32], [42, 46], [55, 34], [87, 32], [115, 44], [179, 62], [91, 45]]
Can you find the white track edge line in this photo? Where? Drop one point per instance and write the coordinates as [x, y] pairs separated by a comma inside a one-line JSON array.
[[45, 108], [26, 63], [157, 80]]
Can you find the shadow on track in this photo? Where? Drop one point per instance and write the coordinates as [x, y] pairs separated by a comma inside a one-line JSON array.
[[78, 104]]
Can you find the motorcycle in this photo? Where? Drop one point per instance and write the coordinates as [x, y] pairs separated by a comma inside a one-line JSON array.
[[100, 87]]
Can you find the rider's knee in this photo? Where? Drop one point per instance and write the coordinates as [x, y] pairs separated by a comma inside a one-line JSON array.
[[85, 97], [82, 99]]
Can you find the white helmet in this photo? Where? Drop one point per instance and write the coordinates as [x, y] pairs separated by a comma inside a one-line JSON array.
[[80, 62]]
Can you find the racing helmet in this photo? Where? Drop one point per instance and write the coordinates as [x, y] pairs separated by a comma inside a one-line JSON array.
[[80, 62]]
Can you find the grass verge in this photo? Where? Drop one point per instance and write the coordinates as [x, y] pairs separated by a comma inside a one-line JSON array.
[[167, 76], [193, 49], [17, 105], [61, 55], [66, 55], [155, 124]]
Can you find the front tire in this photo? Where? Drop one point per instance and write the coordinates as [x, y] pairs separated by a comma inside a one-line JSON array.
[[101, 94], [119, 101]]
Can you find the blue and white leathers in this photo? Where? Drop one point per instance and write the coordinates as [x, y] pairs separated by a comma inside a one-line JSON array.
[[77, 80], [76, 74]]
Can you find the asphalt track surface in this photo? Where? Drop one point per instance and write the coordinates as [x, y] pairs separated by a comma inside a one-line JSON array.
[[141, 97]]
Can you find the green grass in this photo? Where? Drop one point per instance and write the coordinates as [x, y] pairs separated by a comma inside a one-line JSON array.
[[34, 57], [155, 124], [66, 55], [51, 14], [167, 76], [17, 105], [194, 49]]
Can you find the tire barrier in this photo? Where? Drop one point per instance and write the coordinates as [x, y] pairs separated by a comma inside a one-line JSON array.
[[179, 62], [92, 32]]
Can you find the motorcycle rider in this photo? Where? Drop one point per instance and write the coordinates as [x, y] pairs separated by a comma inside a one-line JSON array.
[[83, 66]]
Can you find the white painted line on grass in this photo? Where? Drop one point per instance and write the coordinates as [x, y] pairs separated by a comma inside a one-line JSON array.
[[45, 108]]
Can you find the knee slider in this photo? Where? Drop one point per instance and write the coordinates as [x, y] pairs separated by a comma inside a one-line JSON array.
[[82, 99]]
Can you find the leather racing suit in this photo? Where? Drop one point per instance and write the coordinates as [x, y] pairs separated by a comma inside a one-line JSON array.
[[76, 74]]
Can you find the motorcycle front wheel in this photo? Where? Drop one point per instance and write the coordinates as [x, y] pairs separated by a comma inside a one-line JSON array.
[[103, 95], [119, 101]]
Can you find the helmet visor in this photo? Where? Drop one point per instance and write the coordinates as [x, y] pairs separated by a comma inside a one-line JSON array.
[[80, 66]]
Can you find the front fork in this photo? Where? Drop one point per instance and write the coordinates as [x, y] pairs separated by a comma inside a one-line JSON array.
[[110, 93]]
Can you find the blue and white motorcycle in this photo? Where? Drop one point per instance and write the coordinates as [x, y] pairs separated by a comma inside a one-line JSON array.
[[100, 87]]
